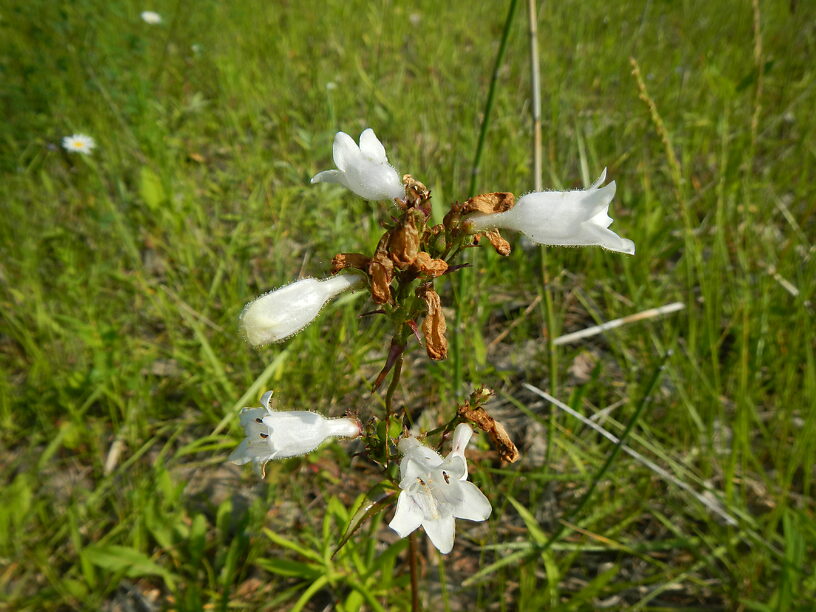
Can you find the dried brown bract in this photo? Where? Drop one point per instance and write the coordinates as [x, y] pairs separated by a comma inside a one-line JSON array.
[[489, 203], [426, 266], [341, 261], [500, 244], [381, 272], [403, 244], [434, 326], [415, 192], [498, 434]]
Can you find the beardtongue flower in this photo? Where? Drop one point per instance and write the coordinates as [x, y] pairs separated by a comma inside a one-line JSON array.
[[280, 434], [435, 491], [283, 312], [566, 218], [363, 169]]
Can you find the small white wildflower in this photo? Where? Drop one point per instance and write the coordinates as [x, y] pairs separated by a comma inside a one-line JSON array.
[[283, 312], [275, 434], [435, 491], [151, 17], [566, 218], [363, 169], [78, 143]]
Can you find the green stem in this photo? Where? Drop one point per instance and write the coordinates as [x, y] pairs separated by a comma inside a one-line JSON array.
[[389, 397], [477, 159]]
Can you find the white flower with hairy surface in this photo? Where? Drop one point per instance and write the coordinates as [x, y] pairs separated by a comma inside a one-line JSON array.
[[363, 169], [283, 312], [78, 143], [436, 491], [151, 17], [280, 434], [565, 218]]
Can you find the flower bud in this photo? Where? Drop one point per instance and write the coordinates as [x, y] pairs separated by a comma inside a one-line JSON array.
[[568, 218], [283, 312]]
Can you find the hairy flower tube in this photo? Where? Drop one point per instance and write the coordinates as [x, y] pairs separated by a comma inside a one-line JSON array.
[[281, 434], [283, 312], [435, 491], [566, 218], [363, 169]]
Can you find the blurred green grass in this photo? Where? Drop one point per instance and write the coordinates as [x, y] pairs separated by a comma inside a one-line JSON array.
[[122, 275]]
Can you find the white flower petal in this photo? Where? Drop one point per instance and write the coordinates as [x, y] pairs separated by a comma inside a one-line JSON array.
[[474, 506], [599, 181], [412, 449], [372, 148], [257, 444], [454, 466], [407, 517], [441, 532], [345, 151], [597, 235], [328, 176], [444, 487], [266, 400], [461, 437], [596, 202]]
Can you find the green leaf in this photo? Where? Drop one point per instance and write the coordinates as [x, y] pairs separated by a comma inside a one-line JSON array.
[[128, 560], [538, 535], [304, 552], [290, 569], [151, 189], [366, 508]]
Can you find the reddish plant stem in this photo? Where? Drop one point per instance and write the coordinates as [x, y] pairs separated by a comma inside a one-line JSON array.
[[412, 559]]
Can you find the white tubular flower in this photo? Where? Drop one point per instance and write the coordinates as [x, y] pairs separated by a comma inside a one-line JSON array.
[[435, 491], [567, 218], [151, 17], [278, 314], [278, 435], [78, 143], [364, 170]]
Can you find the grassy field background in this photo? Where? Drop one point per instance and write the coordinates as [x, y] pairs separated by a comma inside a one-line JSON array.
[[122, 275]]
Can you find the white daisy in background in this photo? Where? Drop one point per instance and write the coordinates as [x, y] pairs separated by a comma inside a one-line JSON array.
[[151, 17], [78, 143]]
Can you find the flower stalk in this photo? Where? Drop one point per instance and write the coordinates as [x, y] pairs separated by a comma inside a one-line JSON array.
[[404, 277]]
